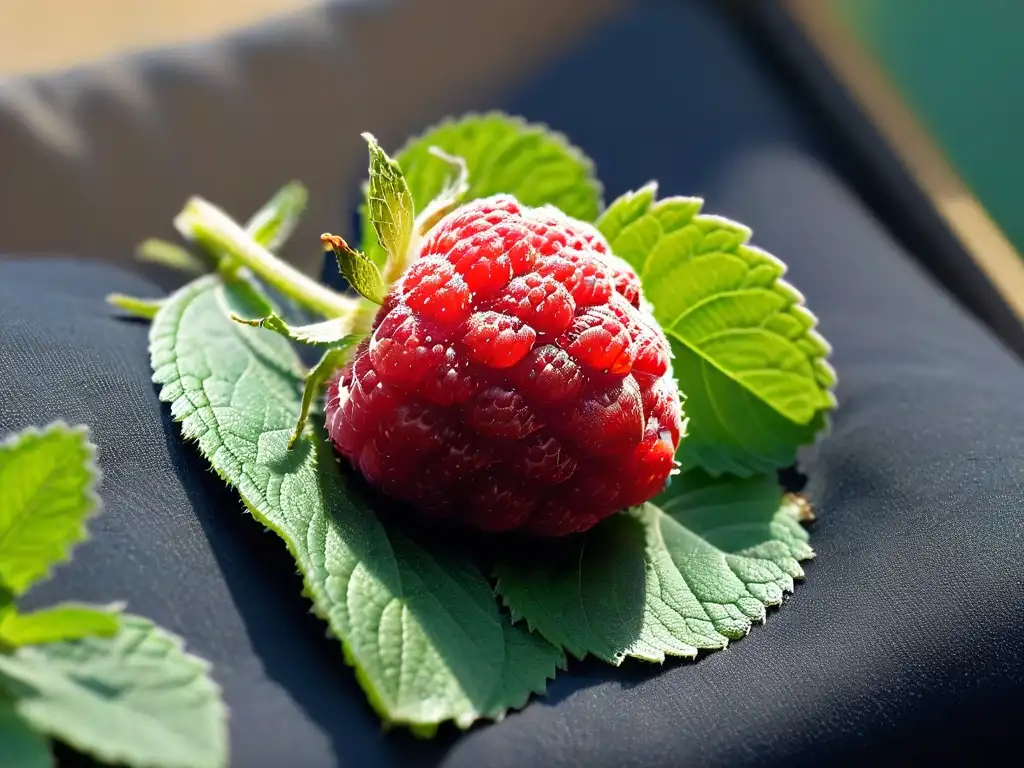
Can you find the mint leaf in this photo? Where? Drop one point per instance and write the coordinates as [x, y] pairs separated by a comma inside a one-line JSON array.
[[20, 746], [361, 273], [391, 208], [423, 630], [134, 698], [690, 572], [274, 223], [46, 495], [49, 625], [753, 368], [503, 154]]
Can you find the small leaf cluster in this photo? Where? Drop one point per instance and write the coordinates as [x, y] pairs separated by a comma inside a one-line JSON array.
[[111, 685]]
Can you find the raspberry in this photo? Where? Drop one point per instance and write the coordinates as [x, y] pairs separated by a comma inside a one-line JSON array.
[[511, 381]]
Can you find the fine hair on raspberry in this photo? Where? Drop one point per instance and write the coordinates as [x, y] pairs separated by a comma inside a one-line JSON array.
[[512, 380]]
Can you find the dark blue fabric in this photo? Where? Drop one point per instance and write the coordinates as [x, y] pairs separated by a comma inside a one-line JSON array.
[[668, 91], [903, 643], [671, 93]]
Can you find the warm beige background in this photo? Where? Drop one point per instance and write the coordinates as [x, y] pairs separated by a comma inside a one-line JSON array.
[[39, 35], [95, 160]]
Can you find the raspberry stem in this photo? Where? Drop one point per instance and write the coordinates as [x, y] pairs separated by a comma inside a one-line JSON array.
[[206, 223]]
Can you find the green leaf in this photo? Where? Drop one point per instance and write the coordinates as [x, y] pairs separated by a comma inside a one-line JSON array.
[[330, 362], [361, 273], [730, 430], [503, 154], [274, 223], [62, 622], [332, 331], [450, 196], [753, 368], [391, 208], [170, 255], [135, 698], [688, 573], [422, 630], [144, 309], [6, 599], [47, 480], [20, 746]]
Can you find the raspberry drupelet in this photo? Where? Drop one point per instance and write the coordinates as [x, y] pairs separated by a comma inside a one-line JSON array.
[[511, 380]]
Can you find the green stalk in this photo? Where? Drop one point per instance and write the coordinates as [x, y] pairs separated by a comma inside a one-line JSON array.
[[215, 230], [144, 309]]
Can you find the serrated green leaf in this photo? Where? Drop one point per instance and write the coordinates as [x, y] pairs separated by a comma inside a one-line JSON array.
[[68, 621], [361, 273], [753, 368], [730, 430], [274, 223], [503, 154], [422, 630], [47, 480], [391, 208], [690, 572], [622, 212], [135, 698], [20, 746]]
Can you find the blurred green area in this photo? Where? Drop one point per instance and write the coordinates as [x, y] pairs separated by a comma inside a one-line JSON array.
[[959, 65]]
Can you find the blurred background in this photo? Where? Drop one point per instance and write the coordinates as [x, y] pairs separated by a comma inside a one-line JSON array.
[[958, 65], [955, 64], [939, 79], [39, 35]]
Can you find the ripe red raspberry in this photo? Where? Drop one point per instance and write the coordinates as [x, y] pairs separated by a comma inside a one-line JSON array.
[[511, 380]]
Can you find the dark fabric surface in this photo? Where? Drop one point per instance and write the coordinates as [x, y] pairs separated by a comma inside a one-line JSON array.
[[905, 639], [97, 158]]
